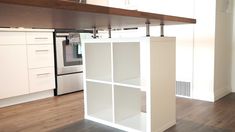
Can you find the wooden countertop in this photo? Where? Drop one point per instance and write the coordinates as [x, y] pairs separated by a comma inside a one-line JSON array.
[[66, 14]]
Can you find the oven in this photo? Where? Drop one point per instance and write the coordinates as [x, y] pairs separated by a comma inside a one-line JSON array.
[[69, 68]]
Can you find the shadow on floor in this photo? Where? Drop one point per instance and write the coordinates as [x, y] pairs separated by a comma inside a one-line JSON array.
[[86, 126], [189, 126]]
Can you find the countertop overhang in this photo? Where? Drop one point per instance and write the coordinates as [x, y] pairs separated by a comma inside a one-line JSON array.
[[62, 14]]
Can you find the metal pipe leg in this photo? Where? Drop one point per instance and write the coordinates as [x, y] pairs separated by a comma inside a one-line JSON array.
[[110, 35], [94, 33], [162, 29], [147, 29]]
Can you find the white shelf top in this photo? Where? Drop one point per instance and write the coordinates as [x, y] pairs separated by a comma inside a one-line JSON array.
[[98, 81], [132, 82]]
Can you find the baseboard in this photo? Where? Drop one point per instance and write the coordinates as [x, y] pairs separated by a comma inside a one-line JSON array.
[[207, 99], [26, 98], [221, 93]]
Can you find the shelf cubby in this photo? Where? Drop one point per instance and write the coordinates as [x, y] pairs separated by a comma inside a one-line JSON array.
[[99, 100], [128, 108], [98, 61], [130, 83], [126, 62]]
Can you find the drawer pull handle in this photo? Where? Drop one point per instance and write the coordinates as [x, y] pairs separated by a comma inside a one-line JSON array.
[[42, 50], [43, 74], [41, 38]]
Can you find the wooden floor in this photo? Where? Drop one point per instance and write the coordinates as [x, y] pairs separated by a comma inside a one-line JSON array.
[[200, 116], [65, 114], [44, 115]]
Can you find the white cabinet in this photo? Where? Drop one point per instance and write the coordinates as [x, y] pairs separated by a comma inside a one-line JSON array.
[[27, 61], [40, 61], [14, 38], [40, 56], [39, 38], [13, 71], [118, 72], [41, 79]]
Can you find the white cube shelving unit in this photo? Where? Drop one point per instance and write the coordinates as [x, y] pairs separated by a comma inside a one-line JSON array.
[[118, 71]]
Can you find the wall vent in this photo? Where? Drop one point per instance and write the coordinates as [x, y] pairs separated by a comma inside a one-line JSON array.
[[183, 89]]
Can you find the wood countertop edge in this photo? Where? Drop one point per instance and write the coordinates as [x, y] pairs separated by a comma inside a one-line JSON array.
[[66, 5]]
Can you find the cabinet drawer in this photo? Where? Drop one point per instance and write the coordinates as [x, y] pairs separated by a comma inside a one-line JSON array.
[[39, 37], [41, 79], [7, 38], [40, 56]]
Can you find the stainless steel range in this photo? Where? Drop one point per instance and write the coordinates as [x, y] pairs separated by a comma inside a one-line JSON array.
[[69, 74]]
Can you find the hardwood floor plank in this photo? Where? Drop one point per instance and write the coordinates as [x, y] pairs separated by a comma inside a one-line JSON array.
[[42, 115], [66, 114]]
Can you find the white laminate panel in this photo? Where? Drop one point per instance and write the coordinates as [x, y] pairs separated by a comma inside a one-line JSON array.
[[40, 56], [13, 71], [12, 38], [162, 84], [126, 59], [99, 100], [39, 37], [98, 61], [41, 79]]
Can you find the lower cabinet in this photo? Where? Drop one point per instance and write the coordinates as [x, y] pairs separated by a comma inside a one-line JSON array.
[[26, 63], [13, 71], [41, 79]]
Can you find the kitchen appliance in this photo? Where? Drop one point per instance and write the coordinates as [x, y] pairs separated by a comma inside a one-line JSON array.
[[69, 69]]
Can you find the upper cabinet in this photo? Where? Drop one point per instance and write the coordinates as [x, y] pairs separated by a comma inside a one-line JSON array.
[[98, 2], [124, 4], [183, 8]]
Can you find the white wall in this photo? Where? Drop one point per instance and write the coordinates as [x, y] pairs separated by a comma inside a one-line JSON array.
[[204, 44], [223, 46], [183, 33]]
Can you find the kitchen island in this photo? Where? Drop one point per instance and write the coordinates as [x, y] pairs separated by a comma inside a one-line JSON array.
[[116, 71]]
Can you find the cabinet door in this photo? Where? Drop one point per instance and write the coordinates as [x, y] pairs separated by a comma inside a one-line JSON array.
[[13, 71], [41, 79], [10, 38]]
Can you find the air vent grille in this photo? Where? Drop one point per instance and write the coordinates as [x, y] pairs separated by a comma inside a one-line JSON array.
[[183, 88]]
